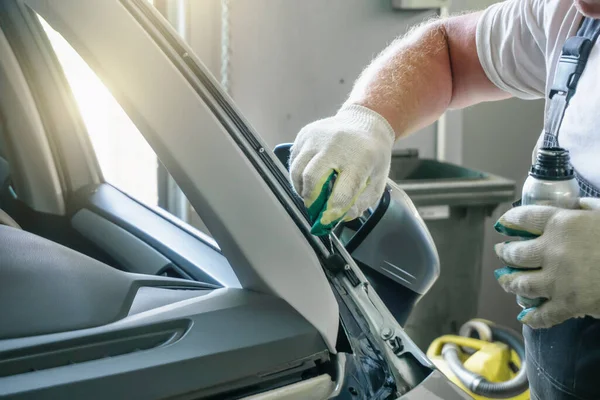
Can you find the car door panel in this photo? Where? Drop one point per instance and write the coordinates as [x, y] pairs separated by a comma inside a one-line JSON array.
[[212, 164], [145, 240], [91, 331], [133, 254], [168, 352]]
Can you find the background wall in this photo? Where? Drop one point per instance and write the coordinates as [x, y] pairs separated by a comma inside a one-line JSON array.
[[295, 61]]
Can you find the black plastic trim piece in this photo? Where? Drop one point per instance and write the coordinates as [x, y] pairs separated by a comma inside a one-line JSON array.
[[354, 281], [399, 300], [370, 223]]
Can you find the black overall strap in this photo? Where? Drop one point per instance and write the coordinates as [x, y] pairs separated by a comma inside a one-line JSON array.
[[572, 62], [574, 57]]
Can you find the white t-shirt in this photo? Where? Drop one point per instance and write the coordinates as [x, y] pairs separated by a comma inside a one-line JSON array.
[[519, 43]]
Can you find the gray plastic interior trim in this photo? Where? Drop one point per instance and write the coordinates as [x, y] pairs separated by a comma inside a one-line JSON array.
[[261, 241], [47, 288], [85, 330], [235, 338], [174, 242], [128, 250], [34, 170], [148, 298]]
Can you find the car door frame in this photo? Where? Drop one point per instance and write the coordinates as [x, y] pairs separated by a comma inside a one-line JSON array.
[[270, 254]]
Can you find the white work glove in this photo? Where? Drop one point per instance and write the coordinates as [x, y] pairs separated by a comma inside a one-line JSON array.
[[561, 263], [356, 144]]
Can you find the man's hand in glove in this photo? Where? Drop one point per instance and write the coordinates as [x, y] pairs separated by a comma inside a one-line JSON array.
[[560, 262], [355, 148]]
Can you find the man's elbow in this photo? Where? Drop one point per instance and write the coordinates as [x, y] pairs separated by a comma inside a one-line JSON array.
[[470, 84]]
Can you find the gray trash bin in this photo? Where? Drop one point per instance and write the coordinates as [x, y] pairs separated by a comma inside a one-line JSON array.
[[454, 202]]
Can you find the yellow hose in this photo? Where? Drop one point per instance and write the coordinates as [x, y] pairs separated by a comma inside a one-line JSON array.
[[487, 358]]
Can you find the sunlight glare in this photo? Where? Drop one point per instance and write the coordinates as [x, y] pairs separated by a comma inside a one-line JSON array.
[[127, 161]]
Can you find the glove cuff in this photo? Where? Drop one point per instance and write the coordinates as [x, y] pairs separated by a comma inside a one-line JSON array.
[[367, 120]]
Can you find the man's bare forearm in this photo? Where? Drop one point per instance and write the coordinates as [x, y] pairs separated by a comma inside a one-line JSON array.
[[419, 76]]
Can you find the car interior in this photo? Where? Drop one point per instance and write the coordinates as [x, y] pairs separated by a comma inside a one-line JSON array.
[[113, 294], [73, 300], [102, 296], [97, 284]]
